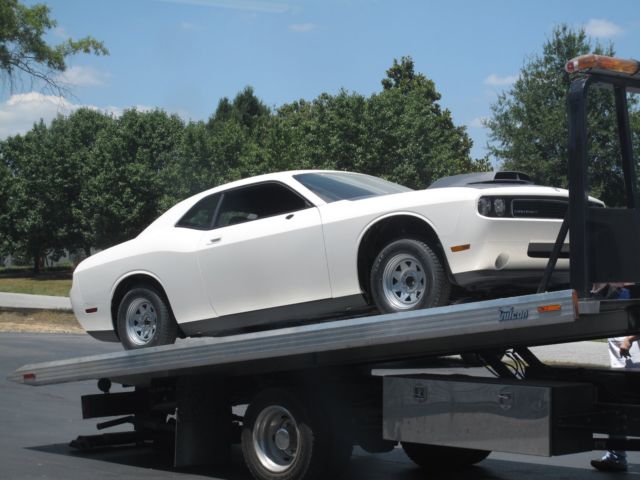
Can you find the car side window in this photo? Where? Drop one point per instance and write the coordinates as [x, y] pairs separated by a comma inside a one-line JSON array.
[[200, 216], [253, 202]]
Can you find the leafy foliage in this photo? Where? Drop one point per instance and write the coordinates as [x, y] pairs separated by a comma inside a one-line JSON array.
[[124, 185], [24, 51], [529, 126], [36, 222]]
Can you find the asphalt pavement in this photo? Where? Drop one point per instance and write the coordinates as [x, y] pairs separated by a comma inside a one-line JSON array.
[[36, 424]]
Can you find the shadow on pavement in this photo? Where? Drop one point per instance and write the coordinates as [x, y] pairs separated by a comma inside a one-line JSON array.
[[146, 457], [392, 466]]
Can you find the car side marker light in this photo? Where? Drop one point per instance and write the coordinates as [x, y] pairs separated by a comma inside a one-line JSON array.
[[549, 308], [29, 377], [461, 248], [91, 310]]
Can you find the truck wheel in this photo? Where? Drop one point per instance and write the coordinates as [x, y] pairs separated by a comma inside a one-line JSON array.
[[144, 320], [408, 275], [434, 457], [284, 438]]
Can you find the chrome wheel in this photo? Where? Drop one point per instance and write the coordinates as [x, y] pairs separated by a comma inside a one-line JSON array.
[[404, 282], [141, 321], [275, 438]]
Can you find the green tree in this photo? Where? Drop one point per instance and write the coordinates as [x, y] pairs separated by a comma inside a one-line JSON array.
[[6, 182], [246, 109], [413, 139], [401, 133], [72, 141], [125, 181], [36, 210], [25, 52], [236, 130], [529, 129]]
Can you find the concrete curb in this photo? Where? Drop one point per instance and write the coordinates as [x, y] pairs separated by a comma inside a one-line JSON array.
[[589, 353], [30, 303]]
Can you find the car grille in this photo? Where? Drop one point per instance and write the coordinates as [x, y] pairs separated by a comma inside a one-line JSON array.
[[538, 208], [541, 207]]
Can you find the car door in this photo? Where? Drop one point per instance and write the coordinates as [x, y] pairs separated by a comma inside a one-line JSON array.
[[266, 250]]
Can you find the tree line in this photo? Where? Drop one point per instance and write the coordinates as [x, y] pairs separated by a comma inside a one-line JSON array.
[[90, 180]]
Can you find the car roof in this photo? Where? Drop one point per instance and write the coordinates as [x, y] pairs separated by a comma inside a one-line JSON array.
[[274, 176]]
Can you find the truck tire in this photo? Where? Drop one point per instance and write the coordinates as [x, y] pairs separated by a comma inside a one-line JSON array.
[[144, 319], [285, 438], [408, 275], [436, 457]]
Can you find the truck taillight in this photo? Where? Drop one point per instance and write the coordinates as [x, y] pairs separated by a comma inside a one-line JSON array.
[[602, 62]]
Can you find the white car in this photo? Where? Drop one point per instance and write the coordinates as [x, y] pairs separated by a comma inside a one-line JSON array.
[[305, 244]]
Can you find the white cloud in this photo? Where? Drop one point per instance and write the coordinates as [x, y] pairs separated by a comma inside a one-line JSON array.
[[263, 6], [82, 77], [601, 28], [478, 122], [494, 80], [188, 26], [60, 32], [21, 111], [302, 27], [141, 108]]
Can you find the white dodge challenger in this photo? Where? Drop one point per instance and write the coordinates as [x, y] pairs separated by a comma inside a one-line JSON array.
[[300, 245]]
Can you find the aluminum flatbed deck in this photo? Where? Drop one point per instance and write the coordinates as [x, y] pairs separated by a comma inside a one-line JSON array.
[[508, 322]]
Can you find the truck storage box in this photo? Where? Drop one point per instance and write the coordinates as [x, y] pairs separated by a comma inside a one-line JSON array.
[[486, 413]]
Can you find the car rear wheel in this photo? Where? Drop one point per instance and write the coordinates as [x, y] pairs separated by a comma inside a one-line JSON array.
[[144, 320], [408, 275]]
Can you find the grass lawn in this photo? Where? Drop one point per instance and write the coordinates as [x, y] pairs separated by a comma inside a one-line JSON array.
[[44, 285]]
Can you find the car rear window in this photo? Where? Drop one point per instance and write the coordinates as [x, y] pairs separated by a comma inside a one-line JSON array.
[[335, 186]]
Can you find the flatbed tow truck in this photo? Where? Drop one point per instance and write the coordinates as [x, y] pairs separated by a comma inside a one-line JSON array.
[[311, 391]]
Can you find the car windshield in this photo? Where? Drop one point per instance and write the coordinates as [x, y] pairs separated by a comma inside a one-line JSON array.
[[334, 186]]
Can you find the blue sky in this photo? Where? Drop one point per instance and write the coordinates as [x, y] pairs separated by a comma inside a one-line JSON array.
[[184, 55]]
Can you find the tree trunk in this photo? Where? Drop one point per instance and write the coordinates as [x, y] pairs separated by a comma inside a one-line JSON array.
[[37, 260]]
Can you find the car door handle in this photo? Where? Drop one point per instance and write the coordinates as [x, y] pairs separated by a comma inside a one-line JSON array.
[[213, 241]]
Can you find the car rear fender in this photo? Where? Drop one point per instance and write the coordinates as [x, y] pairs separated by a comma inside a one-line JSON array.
[[123, 284]]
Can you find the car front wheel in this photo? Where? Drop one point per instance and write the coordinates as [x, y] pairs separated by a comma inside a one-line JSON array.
[[144, 320], [408, 275]]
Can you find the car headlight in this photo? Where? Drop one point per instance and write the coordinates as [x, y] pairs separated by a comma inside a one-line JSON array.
[[499, 206], [484, 206]]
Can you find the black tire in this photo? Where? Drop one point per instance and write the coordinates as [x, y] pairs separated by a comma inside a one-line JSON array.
[[416, 270], [436, 457], [139, 308], [305, 452]]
